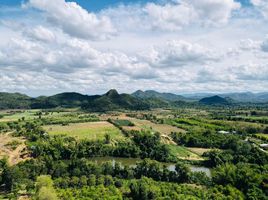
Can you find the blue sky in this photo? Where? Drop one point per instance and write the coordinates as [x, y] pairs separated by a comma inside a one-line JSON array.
[[51, 46], [97, 4]]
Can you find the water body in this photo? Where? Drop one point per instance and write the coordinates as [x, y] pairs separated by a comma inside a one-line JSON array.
[[131, 162]]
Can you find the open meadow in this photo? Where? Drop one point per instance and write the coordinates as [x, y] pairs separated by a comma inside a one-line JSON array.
[[89, 130]]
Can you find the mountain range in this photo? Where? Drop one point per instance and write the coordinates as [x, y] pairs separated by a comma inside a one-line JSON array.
[[139, 100]]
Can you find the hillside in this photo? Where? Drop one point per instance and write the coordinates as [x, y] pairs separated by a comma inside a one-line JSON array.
[[148, 94], [14, 101], [139, 100], [114, 101], [215, 100], [68, 99]]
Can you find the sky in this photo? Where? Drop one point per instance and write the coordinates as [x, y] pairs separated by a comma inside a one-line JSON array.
[[91, 46]]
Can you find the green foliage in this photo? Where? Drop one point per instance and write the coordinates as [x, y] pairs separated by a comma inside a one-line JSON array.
[[247, 178], [45, 189], [206, 139]]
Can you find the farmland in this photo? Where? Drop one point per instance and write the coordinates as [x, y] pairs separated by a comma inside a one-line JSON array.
[[167, 145], [90, 130]]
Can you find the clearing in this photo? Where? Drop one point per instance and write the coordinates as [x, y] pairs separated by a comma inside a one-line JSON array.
[[89, 130], [183, 153], [164, 129], [198, 151], [13, 148]]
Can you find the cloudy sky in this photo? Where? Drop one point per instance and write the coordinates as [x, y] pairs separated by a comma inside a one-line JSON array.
[[91, 46]]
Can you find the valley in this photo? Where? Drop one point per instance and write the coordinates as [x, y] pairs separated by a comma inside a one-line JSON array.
[[119, 151]]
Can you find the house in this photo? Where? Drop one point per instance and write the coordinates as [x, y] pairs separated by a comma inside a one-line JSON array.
[[223, 132]]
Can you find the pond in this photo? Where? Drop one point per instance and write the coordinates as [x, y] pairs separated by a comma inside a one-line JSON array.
[[132, 163]]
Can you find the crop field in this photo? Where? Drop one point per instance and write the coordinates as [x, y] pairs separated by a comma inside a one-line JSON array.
[[8, 116], [89, 130], [16, 115], [139, 124]]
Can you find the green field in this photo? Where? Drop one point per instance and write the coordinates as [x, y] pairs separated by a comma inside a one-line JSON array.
[[33, 114], [262, 135], [183, 153], [90, 130]]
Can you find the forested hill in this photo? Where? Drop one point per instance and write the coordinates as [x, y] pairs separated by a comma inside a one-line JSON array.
[[148, 94], [109, 101], [216, 100], [112, 100], [14, 100]]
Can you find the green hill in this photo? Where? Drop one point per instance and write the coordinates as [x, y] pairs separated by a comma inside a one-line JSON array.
[[68, 99], [151, 94], [215, 100], [114, 101], [14, 101]]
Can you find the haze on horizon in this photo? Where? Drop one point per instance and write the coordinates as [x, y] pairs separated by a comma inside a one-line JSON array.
[[178, 46]]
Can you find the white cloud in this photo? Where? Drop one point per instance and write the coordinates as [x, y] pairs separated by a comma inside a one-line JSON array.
[[252, 72], [74, 20], [185, 12], [41, 33], [178, 54], [179, 46], [262, 6], [169, 16], [264, 44], [214, 11], [172, 16], [249, 44]]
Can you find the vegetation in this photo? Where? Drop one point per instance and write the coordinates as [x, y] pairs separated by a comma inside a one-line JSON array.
[[55, 149]]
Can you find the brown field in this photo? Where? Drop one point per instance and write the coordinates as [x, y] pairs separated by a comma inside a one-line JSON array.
[[14, 154], [161, 128], [164, 129]]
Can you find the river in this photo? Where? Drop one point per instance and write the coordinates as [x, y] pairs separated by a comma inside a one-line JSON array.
[[132, 163]]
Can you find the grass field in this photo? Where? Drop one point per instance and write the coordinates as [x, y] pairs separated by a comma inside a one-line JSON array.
[[15, 115], [31, 114], [90, 130], [183, 153], [198, 151]]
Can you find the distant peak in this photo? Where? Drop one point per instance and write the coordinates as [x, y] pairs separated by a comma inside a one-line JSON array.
[[138, 92], [112, 93]]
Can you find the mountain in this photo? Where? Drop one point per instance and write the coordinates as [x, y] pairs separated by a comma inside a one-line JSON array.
[[245, 97], [148, 94], [139, 100], [215, 100], [114, 101], [14, 101], [67, 99]]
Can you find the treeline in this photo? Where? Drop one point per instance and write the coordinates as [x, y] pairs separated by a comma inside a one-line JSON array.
[[141, 144], [233, 148], [206, 139]]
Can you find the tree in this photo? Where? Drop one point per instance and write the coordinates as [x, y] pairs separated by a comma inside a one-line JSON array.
[[45, 189], [183, 172], [107, 138], [47, 193]]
